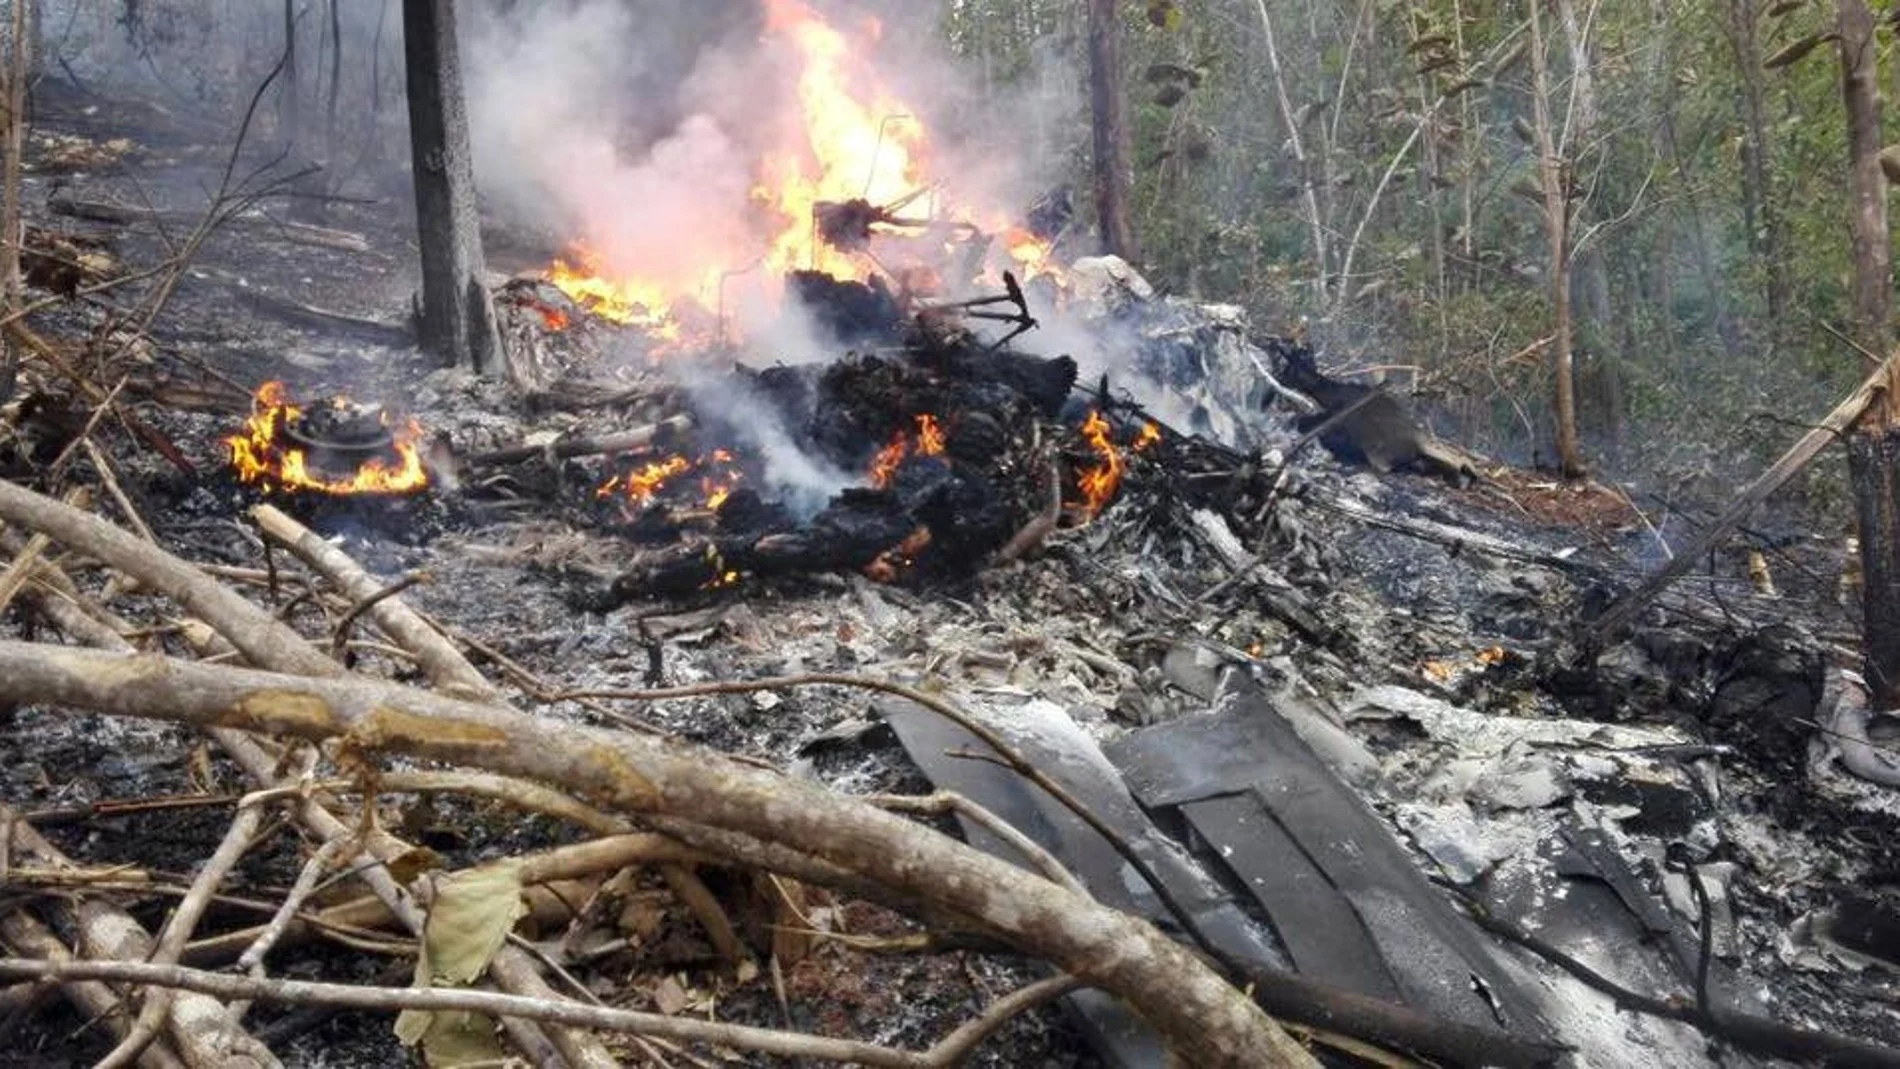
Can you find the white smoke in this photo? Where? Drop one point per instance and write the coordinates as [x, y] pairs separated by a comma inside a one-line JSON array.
[[642, 130]]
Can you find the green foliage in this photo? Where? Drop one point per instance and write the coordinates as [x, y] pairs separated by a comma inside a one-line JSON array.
[[1449, 272]]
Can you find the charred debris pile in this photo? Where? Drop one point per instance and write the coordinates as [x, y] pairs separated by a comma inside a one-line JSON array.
[[927, 451]]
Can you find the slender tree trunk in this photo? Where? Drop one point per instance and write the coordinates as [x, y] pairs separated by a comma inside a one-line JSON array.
[[19, 66], [1669, 143], [1867, 219], [1469, 125], [1550, 171], [1108, 101], [1760, 215], [290, 85], [1873, 453], [1315, 220], [458, 320]]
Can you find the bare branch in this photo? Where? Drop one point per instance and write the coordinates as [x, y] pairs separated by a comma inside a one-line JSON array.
[[558, 1011]]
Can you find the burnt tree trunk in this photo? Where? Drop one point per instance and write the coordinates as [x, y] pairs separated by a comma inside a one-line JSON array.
[[1873, 461], [458, 320], [1114, 171], [1873, 454]]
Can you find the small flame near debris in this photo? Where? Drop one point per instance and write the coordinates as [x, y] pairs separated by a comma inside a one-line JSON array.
[[1450, 671], [719, 475], [266, 455], [1099, 483], [891, 564], [928, 441], [1148, 437]]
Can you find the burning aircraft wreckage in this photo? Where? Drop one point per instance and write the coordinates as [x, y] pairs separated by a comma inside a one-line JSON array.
[[1324, 716]]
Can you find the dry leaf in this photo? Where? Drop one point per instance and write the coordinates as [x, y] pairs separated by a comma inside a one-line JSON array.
[[471, 917], [1890, 164], [458, 1038], [468, 922], [670, 998]]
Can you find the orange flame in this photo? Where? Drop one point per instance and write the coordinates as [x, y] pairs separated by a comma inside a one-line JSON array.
[[264, 454], [1099, 483], [927, 442], [593, 286], [896, 560], [854, 139], [1148, 437], [719, 476]]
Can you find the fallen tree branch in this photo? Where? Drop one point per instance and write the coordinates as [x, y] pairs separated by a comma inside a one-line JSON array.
[[195, 1024], [26, 937], [560, 1011], [264, 640], [1042, 524], [307, 315], [563, 448], [100, 211], [949, 803], [446, 667], [1624, 609], [1008, 755], [1208, 1022], [237, 840], [340, 640]]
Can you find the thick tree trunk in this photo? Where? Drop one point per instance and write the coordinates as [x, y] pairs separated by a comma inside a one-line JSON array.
[[1114, 171], [1873, 454], [1550, 171], [1873, 460], [458, 320]]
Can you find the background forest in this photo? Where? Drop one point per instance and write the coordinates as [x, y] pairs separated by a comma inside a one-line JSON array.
[[1399, 211]]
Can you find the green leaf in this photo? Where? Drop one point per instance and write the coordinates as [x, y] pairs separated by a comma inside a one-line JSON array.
[[1164, 14]]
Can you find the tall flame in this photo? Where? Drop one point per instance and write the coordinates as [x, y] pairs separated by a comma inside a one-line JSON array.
[[853, 139], [866, 147]]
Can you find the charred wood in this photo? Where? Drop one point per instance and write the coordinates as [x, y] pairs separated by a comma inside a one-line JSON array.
[[1364, 424]]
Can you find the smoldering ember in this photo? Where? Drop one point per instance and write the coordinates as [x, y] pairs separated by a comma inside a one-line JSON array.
[[1195, 532]]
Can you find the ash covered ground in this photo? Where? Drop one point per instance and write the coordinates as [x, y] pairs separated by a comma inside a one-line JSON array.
[[1430, 628]]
